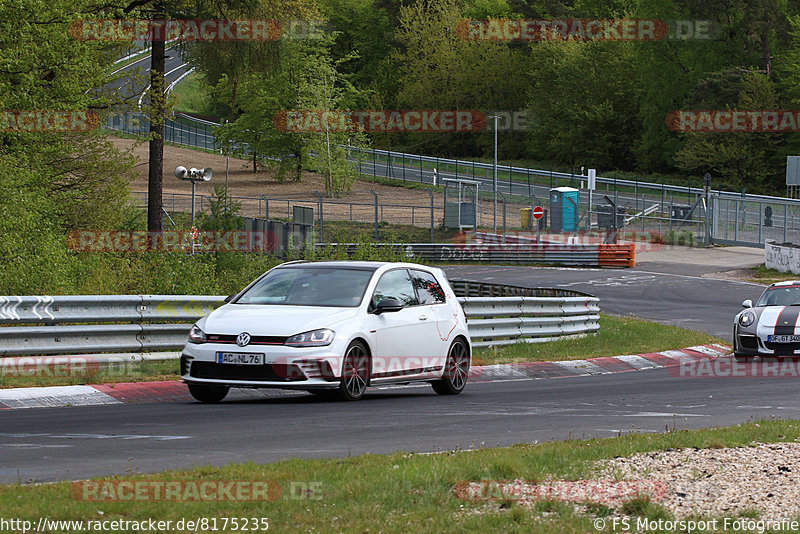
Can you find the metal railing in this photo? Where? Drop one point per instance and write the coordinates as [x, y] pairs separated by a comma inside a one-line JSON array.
[[51, 330], [648, 207]]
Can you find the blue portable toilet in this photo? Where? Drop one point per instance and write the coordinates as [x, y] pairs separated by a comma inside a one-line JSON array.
[[564, 209]]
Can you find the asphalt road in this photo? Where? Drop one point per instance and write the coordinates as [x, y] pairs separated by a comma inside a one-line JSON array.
[[690, 301], [137, 78], [76, 442]]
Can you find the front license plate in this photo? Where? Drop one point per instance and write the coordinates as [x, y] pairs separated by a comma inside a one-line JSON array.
[[783, 339], [240, 358]]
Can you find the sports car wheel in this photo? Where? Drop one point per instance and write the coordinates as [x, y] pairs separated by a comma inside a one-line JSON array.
[[208, 394], [355, 372], [456, 370]]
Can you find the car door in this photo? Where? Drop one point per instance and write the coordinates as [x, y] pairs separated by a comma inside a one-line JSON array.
[[400, 336], [438, 320]]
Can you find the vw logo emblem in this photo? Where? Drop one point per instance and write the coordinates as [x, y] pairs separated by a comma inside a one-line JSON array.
[[243, 339]]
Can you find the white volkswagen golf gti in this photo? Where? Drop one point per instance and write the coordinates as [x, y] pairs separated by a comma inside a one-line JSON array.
[[332, 328]]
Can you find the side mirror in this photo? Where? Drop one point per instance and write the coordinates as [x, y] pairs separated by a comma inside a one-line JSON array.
[[747, 303], [229, 298], [388, 305]]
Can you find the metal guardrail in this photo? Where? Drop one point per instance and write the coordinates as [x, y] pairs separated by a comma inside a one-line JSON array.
[[508, 320], [523, 314], [105, 308]]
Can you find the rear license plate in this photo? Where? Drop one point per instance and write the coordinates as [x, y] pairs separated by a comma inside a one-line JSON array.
[[783, 339], [240, 358]]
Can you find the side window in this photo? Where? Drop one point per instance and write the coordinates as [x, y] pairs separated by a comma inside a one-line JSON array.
[[397, 285], [428, 289]]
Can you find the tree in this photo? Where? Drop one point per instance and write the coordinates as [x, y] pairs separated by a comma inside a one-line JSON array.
[[743, 159], [305, 80], [441, 70], [583, 96]]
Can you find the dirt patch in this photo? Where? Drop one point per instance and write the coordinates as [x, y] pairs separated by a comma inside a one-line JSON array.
[[397, 205], [739, 275]]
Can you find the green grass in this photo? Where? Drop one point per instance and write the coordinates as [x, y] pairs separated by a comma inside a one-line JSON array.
[[617, 336], [398, 492], [762, 275], [191, 95], [89, 374]]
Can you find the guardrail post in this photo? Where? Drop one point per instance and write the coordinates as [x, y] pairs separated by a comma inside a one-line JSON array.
[[503, 198], [643, 211], [529, 182], [375, 195], [785, 219], [321, 220], [431, 196], [266, 206]]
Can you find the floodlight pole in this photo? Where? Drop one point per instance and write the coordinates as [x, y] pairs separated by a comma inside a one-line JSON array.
[[495, 117]]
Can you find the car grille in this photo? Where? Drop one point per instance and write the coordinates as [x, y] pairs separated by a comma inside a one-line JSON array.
[[254, 340], [748, 342], [267, 372]]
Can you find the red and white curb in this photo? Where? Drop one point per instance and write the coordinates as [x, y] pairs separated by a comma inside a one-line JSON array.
[[596, 366], [175, 391]]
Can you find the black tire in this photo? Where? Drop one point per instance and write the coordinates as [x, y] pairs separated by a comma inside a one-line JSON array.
[[208, 394], [456, 370], [355, 372]]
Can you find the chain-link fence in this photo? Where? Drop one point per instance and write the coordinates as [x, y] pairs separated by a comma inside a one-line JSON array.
[[629, 209]]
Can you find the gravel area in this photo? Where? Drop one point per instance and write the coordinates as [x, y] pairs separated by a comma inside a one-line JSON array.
[[720, 482]]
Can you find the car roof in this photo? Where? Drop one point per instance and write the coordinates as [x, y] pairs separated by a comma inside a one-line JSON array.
[[357, 265], [787, 283]]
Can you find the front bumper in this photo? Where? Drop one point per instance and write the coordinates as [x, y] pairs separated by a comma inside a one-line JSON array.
[[750, 344], [283, 367]]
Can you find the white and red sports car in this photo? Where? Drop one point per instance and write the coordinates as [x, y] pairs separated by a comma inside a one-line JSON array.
[[772, 327]]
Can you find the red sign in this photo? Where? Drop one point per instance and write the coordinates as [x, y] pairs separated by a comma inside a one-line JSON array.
[[538, 212]]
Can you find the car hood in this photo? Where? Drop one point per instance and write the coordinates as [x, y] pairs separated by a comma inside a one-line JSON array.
[[272, 320], [772, 317]]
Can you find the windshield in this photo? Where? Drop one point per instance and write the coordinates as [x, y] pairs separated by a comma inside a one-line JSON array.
[[311, 286], [780, 296]]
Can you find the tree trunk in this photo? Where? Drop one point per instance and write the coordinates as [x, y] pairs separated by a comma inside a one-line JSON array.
[[157, 113]]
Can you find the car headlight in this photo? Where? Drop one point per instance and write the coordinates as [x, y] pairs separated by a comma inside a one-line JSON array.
[[314, 338], [746, 319], [196, 335]]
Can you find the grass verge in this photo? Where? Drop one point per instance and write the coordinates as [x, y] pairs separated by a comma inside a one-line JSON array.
[[398, 492], [61, 375], [617, 336], [191, 95], [762, 275]]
